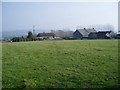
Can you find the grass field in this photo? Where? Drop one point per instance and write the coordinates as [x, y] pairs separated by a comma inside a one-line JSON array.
[[60, 64]]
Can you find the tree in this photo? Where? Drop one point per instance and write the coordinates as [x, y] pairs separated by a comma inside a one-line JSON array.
[[15, 39], [30, 36]]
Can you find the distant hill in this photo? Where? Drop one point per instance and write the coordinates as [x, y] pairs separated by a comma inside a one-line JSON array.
[[10, 34], [6, 35]]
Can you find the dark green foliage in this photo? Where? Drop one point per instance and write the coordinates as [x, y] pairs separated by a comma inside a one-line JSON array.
[[30, 36], [19, 39], [16, 39]]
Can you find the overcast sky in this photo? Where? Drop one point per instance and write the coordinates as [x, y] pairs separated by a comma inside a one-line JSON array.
[[57, 15]]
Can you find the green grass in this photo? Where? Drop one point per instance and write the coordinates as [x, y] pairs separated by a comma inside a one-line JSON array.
[[60, 64], [0, 65]]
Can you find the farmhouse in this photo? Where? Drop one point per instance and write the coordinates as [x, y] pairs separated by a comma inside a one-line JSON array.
[[46, 35], [83, 33]]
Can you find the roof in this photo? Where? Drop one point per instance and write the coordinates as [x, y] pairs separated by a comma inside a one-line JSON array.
[[45, 34], [93, 32], [104, 31], [85, 32]]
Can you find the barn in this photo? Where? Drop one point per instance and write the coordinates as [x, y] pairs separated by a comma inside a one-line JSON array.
[[82, 33]]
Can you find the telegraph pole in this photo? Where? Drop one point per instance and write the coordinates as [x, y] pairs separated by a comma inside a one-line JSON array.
[[33, 29]]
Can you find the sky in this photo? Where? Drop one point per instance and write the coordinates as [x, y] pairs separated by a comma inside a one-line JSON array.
[[0, 19], [60, 0], [57, 15], [119, 16]]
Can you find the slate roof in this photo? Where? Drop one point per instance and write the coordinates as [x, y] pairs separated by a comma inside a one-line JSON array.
[[86, 32]]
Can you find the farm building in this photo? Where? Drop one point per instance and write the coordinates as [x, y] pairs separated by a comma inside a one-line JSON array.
[[46, 35], [92, 35], [118, 36], [104, 35], [83, 33]]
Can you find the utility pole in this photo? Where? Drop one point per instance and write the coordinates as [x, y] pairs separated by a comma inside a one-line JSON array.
[[33, 29]]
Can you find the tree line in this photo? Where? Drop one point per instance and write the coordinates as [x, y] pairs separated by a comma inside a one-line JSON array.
[[30, 37]]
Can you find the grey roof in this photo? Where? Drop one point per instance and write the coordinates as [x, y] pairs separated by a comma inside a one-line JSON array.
[[86, 32]]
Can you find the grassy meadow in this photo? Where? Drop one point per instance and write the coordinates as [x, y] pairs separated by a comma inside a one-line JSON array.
[[0, 65], [60, 64]]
